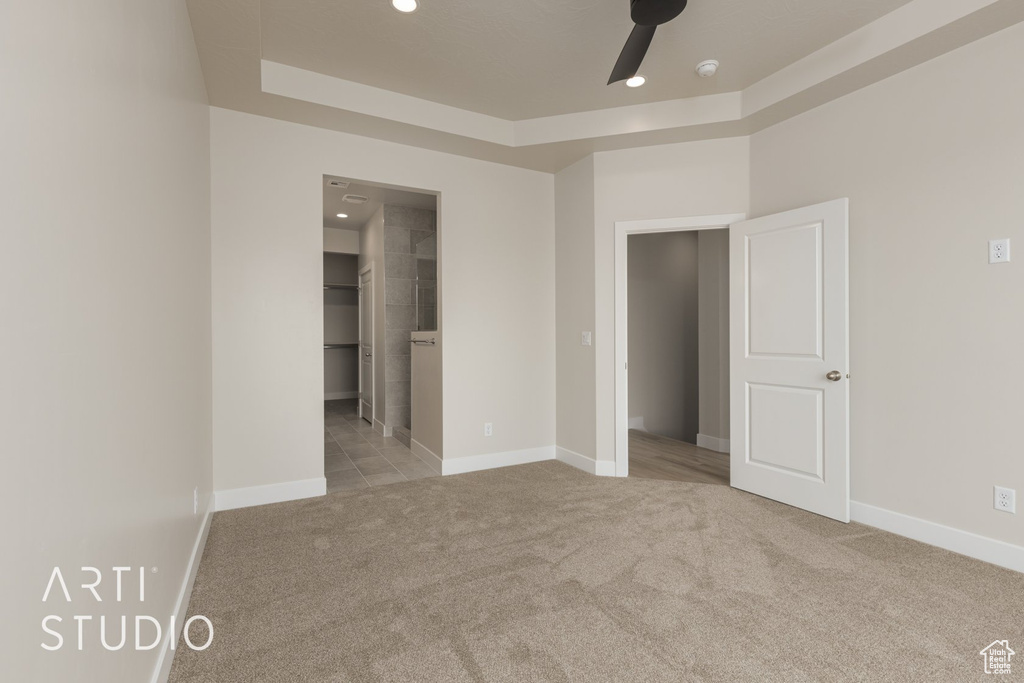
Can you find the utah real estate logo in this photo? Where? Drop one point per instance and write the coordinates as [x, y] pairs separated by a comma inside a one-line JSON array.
[[997, 657]]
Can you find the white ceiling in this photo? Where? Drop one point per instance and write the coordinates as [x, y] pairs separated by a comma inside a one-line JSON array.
[[359, 214], [523, 59], [459, 76]]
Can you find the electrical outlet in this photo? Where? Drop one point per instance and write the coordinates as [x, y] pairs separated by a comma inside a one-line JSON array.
[[999, 251], [195, 501], [587, 339], [1005, 500], [488, 429]]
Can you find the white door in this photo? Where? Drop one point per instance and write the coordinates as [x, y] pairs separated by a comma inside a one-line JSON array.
[[789, 358], [366, 345]]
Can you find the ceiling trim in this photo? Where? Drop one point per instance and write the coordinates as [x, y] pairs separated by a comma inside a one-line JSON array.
[[896, 29], [885, 36], [337, 93]]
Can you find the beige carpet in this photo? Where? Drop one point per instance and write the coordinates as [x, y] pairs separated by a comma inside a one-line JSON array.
[[543, 573]]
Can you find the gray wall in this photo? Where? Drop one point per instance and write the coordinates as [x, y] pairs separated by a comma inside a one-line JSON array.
[[410, 257], [663, 340], [574, 308], [341, 325], [713, 332]]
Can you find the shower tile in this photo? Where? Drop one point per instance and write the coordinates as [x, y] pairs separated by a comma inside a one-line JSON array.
[[397, 368], [397, 343], [397, 241], [407, 217], [398, 291], [402, 266], [423, 243], [401, 317], [398, 416], [426, 269], [398, 393]]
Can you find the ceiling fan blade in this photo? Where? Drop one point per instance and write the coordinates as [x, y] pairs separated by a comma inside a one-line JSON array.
[[633, 53], [655, 12]]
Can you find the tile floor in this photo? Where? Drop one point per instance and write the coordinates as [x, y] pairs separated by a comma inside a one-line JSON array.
[[356, 457]]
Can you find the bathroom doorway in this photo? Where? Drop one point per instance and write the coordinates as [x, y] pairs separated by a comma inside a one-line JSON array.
[[385, 427]]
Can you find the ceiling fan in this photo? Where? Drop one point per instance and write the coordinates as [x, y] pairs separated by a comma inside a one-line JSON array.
[[647, 15]]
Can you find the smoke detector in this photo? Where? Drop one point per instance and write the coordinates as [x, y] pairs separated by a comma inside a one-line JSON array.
[[707, 68], [355, 199], [340, 184]]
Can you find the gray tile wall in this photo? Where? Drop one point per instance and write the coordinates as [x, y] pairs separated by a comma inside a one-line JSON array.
[[410, 253]]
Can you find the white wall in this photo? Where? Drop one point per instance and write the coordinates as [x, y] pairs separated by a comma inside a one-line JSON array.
[[497, 256], [931, 160], [371, 253], [713, 345], [341, 241], [574, 305], [105, 298], [687, 179], [663, 336]]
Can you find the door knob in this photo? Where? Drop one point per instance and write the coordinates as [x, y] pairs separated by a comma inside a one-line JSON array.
[[834, 376]]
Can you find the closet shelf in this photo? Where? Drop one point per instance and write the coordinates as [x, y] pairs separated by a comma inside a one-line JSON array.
[[353, 345], [335, 285]]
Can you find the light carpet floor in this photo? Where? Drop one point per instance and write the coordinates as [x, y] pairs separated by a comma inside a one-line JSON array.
[[544, 573]]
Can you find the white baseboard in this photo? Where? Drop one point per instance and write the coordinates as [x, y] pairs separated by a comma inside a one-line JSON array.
[[426, 455], [713, 443], [338, 395], [165, 658], [231, 499], [602, 468], [637, 423], [963, 542], [474, 463]]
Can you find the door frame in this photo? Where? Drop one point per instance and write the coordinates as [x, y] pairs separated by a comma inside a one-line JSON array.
[[368, 268], [623, 229]]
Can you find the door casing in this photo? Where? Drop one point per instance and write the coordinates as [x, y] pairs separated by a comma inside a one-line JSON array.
[[366, 273]]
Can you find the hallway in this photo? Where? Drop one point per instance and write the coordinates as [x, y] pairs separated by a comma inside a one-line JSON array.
[[658, 457]]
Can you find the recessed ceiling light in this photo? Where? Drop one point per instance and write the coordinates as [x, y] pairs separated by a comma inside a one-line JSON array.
[[342, 215], [636, 81], [405, 5]]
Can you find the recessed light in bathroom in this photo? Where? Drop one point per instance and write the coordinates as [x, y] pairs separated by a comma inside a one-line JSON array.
[[636, 81], [405, 5], [342, 215]]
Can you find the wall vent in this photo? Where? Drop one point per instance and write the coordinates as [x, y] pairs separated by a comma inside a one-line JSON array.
[[340, 184]]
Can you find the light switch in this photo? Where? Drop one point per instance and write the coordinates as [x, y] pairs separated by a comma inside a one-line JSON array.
[[999, 251], [588, 339]]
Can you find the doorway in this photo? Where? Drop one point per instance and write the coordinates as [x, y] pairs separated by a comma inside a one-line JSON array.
[[678, 357], [789, 391], [386, 346]]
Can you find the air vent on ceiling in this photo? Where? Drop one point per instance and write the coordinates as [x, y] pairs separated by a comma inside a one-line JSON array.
[[340, 184], [355, 199]]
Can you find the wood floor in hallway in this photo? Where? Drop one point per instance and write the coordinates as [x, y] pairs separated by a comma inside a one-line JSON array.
[[658, 457]]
